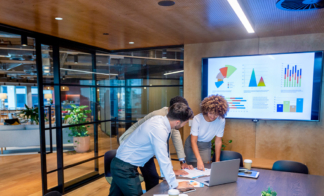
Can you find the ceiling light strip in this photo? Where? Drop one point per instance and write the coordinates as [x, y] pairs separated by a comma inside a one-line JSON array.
[[89, 72], [98, 54], [174, 72], [239, 12]]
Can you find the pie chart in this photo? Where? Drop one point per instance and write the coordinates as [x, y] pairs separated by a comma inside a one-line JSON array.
[[224, 72]]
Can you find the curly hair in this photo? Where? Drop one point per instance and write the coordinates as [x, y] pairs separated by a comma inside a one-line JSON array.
[[214, 104]]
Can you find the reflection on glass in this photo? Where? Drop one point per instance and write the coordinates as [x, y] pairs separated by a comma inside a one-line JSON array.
[[111, 103], [49, 102], [143, 100], [78, 171], [165, 53], [132, 71], [47, 62], [76, 67], [78, 101], [111, 106], [77, 146]]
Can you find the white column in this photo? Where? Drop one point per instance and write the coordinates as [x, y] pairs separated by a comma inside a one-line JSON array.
[[29, 97]]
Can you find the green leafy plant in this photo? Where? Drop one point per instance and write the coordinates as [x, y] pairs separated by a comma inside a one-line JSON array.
[[77, 115], [31, 113], [269, 192], [224, 144]]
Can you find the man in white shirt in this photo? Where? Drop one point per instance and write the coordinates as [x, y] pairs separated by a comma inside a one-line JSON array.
[[148, 140], [151, 177]]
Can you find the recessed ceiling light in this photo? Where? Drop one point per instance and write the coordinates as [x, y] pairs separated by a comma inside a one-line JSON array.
[[131, 42], [166, 3], [58, 18], [239, 12]]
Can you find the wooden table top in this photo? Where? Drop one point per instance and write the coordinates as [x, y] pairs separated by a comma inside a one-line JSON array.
[[284, 183]]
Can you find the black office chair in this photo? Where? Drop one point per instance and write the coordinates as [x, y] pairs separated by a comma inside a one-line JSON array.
[[107, 161], [290, 166], [53, 193], [229, 155]]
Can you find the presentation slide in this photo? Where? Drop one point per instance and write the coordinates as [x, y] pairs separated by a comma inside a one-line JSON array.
[[276, 86]]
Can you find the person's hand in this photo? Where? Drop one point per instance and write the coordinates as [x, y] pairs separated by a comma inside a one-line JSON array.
[[186, 166], [200, 166], [184, 184], [180, 172]]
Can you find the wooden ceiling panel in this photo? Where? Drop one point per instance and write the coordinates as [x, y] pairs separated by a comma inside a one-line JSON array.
[[148, 24]]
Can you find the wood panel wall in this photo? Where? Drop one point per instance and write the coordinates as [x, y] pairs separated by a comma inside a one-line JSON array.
[[280, 140]]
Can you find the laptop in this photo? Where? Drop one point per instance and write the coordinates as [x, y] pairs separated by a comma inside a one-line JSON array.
[[221, 173]]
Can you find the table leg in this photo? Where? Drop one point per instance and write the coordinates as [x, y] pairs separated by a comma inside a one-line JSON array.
[[1, 150]]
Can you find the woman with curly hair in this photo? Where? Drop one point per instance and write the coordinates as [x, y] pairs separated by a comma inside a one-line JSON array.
[[205, 126]]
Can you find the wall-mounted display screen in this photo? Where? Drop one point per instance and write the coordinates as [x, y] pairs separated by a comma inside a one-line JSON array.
[[274, 86]]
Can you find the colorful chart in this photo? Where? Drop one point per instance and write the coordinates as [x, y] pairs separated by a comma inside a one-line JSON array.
[[225, 72], [253, 81], [288, 107], [236, 102], [261, 82], [292, 77]]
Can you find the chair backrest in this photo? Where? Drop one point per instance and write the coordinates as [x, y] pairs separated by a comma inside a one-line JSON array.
[[290, 166], [229, 155], [53, 193], [107, 160]]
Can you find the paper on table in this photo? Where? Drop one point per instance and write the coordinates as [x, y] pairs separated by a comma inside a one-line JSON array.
[[168, 195], [195, 173], [192, 182]]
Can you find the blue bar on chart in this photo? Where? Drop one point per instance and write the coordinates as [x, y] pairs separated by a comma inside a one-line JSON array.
[[279, 107], [300, 104], [236, 103]]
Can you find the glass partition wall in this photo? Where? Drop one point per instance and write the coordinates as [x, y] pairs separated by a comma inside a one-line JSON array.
[[86, 98], [91, 98]]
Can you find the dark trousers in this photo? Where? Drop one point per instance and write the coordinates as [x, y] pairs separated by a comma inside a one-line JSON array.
[[151, 177], [125, 179]]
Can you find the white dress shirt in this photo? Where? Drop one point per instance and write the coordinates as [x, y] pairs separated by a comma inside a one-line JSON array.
[[149, 139], [175, 134]]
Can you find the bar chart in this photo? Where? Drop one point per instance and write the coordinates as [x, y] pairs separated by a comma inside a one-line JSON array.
[[292, 76], [290, 105], [237, 103]]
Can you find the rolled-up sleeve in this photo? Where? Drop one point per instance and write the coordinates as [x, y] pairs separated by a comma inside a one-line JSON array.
[[195, 127], [159, 143], [220, 131]]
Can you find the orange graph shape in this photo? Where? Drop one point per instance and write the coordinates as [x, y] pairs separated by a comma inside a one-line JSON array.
[[223, 71]]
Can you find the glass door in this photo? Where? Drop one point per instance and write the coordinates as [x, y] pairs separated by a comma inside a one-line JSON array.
[[49, 120], [68, 117]]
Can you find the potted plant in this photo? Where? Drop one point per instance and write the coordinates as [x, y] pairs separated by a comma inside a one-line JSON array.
[[31, 114], [223, 145], [268, 192], [81, 138]]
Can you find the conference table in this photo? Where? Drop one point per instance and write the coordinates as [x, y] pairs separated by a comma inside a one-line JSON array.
[[284, 183]]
